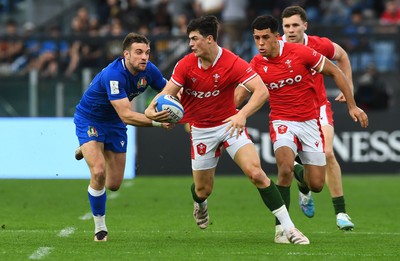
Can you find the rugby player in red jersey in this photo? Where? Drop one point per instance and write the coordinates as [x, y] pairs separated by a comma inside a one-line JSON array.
[[294, 23], [209, 76], [287, 71]]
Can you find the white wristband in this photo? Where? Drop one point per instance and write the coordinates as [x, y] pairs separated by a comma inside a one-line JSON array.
[[156, 123]]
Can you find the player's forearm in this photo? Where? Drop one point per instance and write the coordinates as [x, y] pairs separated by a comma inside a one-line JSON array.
[[344, 65], [343, 83], [241, 95], [256, 101], [343, 62], [125, 113], [136, 119]]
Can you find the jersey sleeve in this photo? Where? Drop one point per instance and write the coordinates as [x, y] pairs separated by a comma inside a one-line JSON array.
[[179, 72], [311, 58], [244, 70], [326, 47], [114, 83], [158, 81]]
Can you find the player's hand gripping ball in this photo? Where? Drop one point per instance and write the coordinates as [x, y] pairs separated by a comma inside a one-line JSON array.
[[172, 105]]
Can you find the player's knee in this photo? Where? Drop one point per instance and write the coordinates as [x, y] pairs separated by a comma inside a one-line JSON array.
[[285, 171], [113, 186], [114, 183], [203, 192], [256, 175], [316, 189], [330, 155], [316, 185], [99, 175]]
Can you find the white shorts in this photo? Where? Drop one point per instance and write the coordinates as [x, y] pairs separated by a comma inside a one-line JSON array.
[[326, 114], [206, 145], [305, 138]]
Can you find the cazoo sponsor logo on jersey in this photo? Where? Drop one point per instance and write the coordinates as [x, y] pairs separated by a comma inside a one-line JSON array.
[[202, 95], [283, 83]]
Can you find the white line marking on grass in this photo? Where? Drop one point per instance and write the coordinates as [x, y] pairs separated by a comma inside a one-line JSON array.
[[318, 232], [66, 232], [89, 215], [113, 195], [127, 184], [41, 253], [339, 254], [359, 233], [243, 232], [86, 216]]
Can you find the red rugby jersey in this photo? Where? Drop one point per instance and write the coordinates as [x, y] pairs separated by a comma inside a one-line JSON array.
[[325, 47], [290, 82], [208, 94]]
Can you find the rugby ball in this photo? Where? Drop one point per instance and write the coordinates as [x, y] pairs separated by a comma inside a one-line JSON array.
[[172, 105]]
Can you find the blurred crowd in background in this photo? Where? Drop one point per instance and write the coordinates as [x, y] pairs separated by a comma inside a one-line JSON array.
[[57, 49]]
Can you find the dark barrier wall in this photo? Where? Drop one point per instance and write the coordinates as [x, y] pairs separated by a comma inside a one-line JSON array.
[[362, 151]]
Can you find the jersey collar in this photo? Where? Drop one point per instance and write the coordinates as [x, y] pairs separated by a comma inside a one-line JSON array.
[[215, 61], [305, 39], [123, 63], [281, 45]]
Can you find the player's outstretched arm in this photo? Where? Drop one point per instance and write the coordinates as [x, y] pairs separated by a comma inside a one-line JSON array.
[[241, 94], [259, 96], [343, 62], [123, 108], [330, 69]]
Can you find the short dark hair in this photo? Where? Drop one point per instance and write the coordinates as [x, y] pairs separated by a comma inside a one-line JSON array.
[[206, 25], [294, 10], [133, 38], [264, 22]]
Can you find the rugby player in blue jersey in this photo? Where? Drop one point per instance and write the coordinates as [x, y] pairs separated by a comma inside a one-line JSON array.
[[102, 115]]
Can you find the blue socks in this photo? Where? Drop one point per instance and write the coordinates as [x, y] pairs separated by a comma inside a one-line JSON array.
[[97, 200]]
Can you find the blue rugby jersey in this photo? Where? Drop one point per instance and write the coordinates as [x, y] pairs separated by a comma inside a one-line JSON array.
[[115, 82]]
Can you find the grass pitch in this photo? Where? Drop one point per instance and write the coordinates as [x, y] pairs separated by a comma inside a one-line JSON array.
[[150, 218]]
